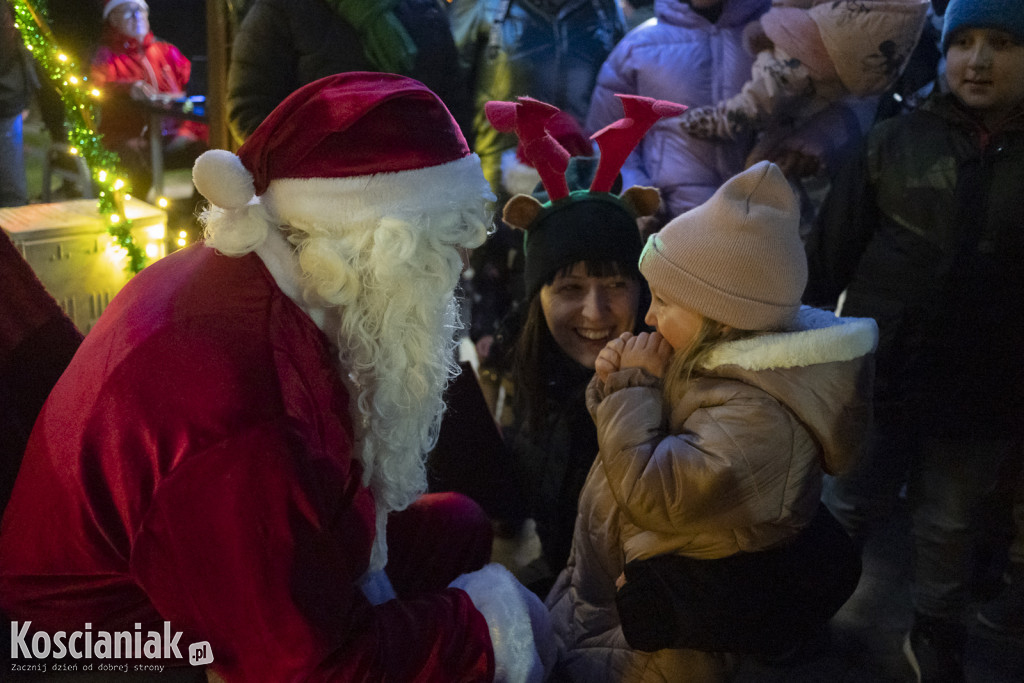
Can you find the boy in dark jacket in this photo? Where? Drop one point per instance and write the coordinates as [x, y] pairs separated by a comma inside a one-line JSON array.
[[922, 231]]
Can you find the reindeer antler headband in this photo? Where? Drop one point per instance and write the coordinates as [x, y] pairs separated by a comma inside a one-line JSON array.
[[581, 225]]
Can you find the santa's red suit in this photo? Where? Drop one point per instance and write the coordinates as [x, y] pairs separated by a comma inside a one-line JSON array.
[[198, 462], [194, 464]]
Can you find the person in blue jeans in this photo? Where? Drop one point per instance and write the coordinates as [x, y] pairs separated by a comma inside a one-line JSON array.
[[16, 85], [922, 231]]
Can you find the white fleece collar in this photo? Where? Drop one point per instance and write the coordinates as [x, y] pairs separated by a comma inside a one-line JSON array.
[[815, 337]]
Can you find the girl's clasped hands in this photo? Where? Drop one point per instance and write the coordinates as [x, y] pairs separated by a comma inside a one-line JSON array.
[[647, 350]]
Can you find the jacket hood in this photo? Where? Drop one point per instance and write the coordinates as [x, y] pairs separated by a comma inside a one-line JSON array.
[[822, 369], [870, 66], [734, 12]]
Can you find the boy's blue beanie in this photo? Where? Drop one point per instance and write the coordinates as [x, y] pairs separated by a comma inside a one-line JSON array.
[[1005, 15]]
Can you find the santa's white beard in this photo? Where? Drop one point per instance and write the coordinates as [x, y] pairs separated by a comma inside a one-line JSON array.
[[394, 321], [384, 294]]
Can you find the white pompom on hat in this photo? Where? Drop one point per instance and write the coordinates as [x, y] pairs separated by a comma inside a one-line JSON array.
[[350, 148], [738, 257], [223, 179], [111, 4]]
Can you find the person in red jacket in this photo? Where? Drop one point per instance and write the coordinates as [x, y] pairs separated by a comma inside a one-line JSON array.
[[131, 67], [237, 451]]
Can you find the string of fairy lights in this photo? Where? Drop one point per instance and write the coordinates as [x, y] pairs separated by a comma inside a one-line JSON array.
[[80, 105]]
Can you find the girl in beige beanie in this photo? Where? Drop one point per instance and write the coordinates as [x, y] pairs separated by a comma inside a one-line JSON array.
[[714, 432]]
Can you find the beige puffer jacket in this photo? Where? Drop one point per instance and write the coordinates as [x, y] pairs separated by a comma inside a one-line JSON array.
[[736, 468]]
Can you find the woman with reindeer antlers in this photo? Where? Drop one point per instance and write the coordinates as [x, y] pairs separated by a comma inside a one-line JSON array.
[[583, 289]]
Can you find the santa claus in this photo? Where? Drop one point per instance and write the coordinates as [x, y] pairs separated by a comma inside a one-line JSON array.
[[238, 447]]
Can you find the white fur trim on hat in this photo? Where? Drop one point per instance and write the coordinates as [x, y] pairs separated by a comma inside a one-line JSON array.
[[111, 4], [362, 201], [220, 177]]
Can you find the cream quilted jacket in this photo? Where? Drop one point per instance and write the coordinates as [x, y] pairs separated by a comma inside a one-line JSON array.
[[735, 466]]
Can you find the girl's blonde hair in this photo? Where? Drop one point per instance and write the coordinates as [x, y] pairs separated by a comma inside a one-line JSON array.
[[686, 361]]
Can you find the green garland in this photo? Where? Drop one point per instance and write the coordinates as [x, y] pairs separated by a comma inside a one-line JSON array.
[[80, 110]]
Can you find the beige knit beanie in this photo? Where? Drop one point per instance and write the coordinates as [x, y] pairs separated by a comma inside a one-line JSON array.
[[738, 257]]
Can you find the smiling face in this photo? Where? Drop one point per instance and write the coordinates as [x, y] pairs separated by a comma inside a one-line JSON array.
[[678, 325], [585, 312], [985, 70]]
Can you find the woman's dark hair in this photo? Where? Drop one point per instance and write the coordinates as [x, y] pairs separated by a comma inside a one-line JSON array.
[[535, 348]]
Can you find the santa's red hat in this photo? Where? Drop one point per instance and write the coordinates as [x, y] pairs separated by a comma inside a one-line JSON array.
[[350, 148], [109, 5]]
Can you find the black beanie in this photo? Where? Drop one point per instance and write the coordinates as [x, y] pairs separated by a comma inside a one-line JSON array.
[[585, 226]]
